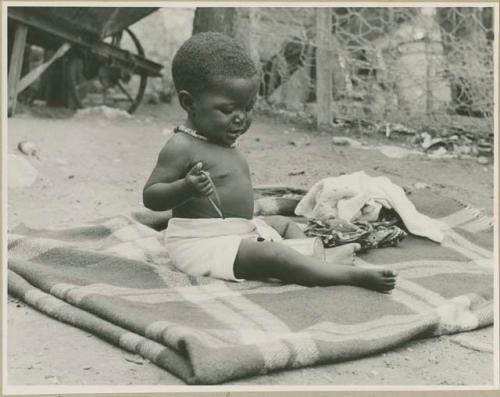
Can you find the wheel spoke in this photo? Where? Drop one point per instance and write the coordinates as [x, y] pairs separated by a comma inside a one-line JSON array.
[[117, 39], [124, 90]]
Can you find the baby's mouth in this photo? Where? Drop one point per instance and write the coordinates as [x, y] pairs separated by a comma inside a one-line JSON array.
[[234, 134]]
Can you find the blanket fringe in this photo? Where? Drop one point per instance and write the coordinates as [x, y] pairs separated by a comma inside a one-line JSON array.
[[479, 214]]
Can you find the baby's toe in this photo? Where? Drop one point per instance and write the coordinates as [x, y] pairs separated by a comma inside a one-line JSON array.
[[391, 281], [388, 287], [389, 273]]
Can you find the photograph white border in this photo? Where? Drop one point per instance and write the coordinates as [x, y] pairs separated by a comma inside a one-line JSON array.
[[45, 390]]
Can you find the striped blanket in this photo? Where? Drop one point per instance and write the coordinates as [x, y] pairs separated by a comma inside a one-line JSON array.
[[113, 278]]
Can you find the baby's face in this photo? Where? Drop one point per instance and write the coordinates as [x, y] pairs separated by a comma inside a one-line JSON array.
[[223, 112]]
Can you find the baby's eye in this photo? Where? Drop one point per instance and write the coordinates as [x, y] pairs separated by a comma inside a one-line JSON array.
[[226, 109]]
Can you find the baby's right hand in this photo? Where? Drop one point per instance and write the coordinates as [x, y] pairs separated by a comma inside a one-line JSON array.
[[198, 183]]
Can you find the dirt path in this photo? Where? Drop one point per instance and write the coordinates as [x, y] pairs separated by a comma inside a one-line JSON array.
[[95, 167]]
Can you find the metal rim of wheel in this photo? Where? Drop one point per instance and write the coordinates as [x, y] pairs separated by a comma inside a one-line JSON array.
[[78, 86]]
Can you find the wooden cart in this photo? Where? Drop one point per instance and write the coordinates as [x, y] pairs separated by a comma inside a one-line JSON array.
[[104, 60]]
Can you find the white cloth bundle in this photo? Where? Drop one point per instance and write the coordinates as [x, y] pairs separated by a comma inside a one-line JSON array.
[[358, 196]]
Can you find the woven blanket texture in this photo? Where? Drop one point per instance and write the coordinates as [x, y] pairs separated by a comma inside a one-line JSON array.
[[114, 279]]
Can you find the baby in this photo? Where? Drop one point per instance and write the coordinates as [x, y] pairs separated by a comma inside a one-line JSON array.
[[203, 177]]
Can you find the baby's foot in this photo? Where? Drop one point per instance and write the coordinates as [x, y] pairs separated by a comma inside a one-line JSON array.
[[343, 255], [381, 280]]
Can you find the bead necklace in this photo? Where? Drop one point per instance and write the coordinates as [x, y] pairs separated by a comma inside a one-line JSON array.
[[194, 134]]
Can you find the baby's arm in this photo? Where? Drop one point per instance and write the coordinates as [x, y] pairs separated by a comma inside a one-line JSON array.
[[174, 179]]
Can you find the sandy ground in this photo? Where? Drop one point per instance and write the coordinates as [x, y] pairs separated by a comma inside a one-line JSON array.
[[95, 167]]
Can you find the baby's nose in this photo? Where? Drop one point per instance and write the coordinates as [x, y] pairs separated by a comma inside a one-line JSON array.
[[239, 117]]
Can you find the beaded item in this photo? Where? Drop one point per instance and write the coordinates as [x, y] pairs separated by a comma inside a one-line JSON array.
[[194, 134]]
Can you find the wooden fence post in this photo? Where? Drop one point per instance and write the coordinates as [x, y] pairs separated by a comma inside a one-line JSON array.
[[254, 22], [324, 70], [428, 15], [16, 64]]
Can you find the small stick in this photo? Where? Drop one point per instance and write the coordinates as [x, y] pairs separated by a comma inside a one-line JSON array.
[[216, 207]]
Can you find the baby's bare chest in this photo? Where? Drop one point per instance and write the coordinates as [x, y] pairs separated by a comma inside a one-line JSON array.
[[230, 174], [226, 166]]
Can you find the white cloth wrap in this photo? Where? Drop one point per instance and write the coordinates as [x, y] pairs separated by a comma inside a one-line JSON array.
[[208, 246], [344, 197]]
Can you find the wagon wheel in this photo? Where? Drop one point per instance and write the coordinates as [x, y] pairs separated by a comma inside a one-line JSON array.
[[106, 83]]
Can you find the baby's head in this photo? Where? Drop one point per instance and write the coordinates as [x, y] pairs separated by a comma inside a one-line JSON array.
[[217, 84]]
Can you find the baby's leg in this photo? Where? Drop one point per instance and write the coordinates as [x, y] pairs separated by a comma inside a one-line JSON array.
[[261, 260], [285, 227], [288, 229]]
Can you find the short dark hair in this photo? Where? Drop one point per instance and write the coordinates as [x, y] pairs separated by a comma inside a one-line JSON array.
[[207, 55]]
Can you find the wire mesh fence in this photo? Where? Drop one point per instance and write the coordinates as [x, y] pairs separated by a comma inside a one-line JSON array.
[[417, 66]]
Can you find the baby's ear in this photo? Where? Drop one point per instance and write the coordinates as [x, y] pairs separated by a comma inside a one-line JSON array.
[[186, 100]]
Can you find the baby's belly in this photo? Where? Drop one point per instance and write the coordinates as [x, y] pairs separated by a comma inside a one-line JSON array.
[[235, 203]]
